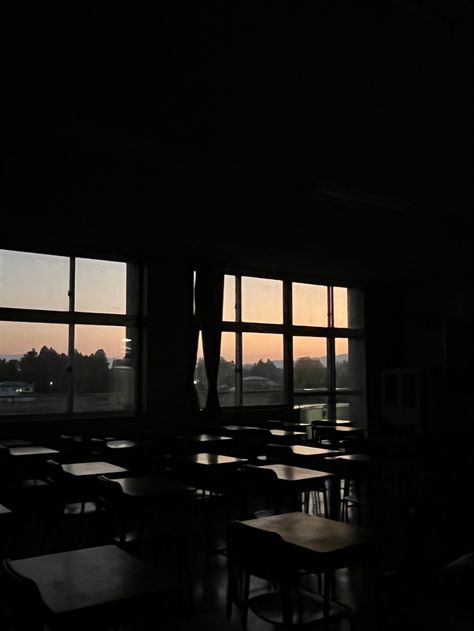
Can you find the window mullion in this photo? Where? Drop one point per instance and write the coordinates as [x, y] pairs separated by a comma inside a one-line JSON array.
[[330, 307], [331, 366], [331, 362], [288, 342], [238, 341], [71, 334]]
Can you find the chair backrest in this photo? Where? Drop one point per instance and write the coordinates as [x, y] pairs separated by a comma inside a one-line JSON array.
[[24, 607], [255, 435], [9, 469], [259, 489], [258, 478], [109, 490], [261, 553], [281, 452], [54, 470], [4, 451], [275, 424]]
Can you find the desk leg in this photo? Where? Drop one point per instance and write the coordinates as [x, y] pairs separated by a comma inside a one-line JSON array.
[[326, 601], [335, 497]]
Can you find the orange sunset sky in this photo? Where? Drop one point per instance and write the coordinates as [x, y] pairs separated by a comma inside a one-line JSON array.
[[34, 281]]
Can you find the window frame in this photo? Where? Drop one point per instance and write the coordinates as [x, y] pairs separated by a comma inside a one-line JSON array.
[[73, 318], [289, 330]]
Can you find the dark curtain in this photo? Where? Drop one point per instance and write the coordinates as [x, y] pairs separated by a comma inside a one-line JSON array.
[[209, 297], [192, 398]]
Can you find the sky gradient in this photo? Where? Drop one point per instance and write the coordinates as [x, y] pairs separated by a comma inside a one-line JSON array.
[[38, 281]]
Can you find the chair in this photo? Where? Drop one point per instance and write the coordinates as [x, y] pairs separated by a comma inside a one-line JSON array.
[[31, 501], [275, 424], [198, 622], [455, 592], [78, 494], [252, 442], [23, 607], [264, 554], [280, 453], [260, 491], [76, 499], [284, 454], [129, 524]]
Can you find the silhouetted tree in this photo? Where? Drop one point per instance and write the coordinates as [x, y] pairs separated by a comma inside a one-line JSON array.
[[265, 369], [91, 372], [47, 370], [9, 370], [309, 373], [226, 373], [342, 374]]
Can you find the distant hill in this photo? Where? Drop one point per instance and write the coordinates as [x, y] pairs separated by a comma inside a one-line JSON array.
[[10, 357], [339, 359]]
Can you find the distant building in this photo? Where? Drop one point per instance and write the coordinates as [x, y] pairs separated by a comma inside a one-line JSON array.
[[15, 389], [258, 383]]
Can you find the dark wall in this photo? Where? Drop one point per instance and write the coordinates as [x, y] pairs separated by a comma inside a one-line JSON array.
[[325, 140]]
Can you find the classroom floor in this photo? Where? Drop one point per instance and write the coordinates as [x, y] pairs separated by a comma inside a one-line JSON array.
[[402, 595]]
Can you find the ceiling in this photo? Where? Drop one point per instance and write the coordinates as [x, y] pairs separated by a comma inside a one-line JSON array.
[[178, 110]]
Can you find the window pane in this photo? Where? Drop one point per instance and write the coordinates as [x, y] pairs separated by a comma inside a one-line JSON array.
[[309, 364], [262, 300], [228, 310], [33, 368], [101, 286], [262, 374], [340, 306], [200, 377], [226, 381], [34, 281], [104, 369], [310, 305], [342, 362]]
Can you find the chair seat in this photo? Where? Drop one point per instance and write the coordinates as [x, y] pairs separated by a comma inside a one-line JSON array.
[[28, 484], [309, 609], [79, 508]]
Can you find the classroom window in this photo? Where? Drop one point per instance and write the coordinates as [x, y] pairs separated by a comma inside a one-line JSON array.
[[68, 335], [294, 343]]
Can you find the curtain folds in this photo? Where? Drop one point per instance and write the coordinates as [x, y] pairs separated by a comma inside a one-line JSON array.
[[209, 293]]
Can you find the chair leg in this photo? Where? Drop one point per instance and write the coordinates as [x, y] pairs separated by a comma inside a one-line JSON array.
[[352, 623], [326, 595], [306, 502], [245, 600], [230, 591], [286, 606], [228, 605], [325, 502]]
